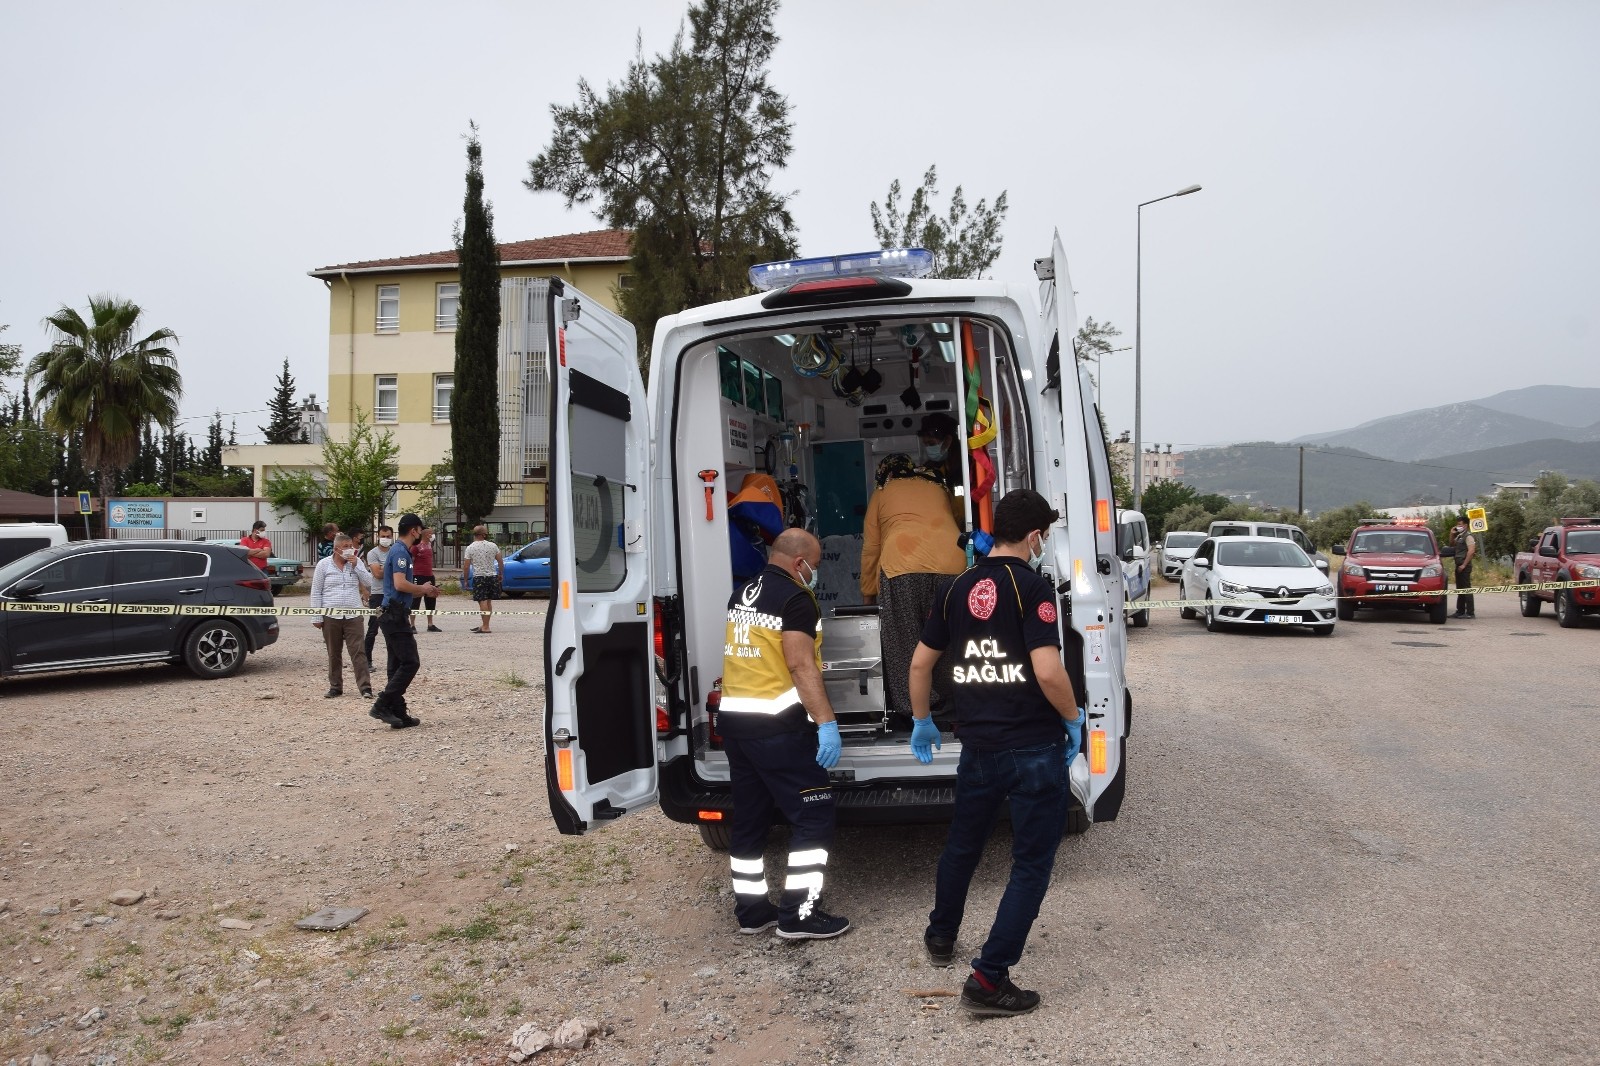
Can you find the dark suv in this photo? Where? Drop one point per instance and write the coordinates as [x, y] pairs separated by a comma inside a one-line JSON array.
[[121, 603]]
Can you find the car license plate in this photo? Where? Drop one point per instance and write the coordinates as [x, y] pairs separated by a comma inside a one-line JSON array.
[[1394, 588], [1283, 619]]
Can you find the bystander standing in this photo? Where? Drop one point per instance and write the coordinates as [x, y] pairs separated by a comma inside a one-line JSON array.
[[483, 562], [340, 585]]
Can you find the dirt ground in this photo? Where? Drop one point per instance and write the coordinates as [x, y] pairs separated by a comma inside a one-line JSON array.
[[1378, 847]]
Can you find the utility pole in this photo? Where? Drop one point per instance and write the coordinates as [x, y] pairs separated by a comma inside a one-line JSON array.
[[1300, 499]]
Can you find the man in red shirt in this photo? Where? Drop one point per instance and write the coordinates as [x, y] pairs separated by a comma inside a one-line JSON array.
[[257, 545]]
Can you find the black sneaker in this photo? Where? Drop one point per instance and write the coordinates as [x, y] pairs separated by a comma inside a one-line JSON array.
[[388, 717], [332, 692], [435, 629], [366, 694], [941, 952], [407, 721], [819, 925], [998, 1000], [759, 925]]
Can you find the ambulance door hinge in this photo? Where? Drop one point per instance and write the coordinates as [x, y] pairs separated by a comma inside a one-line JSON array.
[[1044, 268], [569, 310]]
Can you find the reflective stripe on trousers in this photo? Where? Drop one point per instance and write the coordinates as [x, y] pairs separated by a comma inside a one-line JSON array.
[[749, 879]]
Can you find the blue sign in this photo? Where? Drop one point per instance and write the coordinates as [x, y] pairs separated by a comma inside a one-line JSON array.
[[84, 506], [137, 514]]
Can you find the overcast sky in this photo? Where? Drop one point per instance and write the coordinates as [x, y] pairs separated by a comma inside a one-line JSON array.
[[1398, 211]]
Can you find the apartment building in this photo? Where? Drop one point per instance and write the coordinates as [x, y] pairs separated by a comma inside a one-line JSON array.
[[391, 356]]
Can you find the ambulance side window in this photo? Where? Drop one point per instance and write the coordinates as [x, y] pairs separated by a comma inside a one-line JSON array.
[[598, 453]]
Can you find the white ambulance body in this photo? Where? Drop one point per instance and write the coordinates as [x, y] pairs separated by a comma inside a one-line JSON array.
[[642, 561]]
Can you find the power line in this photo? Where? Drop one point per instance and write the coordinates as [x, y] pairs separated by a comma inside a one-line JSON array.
[[1312, 450]]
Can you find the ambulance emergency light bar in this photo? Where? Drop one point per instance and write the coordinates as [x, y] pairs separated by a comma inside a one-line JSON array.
[[887, 263]]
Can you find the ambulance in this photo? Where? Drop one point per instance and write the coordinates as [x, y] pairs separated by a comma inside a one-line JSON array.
[[774, 410]]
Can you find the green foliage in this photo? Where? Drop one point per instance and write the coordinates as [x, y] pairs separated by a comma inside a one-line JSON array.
[[475, 403], [1508, 530], [1187, 516], [354, 480], [965, 242], [1335, 526], [682, 152], [1161, 498], [284, 425], [102, 381], [1094, 339]]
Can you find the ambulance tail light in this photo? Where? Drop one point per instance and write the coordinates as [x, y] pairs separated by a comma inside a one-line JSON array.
[[1102, 515], [564, 769], [1097, 751]]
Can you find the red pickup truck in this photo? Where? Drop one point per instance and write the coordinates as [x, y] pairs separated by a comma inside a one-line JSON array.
[[1392, 555], [1567, 552]]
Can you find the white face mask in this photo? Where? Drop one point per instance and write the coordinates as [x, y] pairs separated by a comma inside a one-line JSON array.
[[348, 553], [934, 453], [1035, 561], [811, 582], [384, 542]]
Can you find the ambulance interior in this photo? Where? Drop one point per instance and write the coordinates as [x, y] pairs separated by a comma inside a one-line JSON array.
[[775, 430]]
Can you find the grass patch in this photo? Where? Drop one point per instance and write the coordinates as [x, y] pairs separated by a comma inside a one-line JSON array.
[[613, 957], [512, 679], [97, 971], [463, 998], [482, 927]]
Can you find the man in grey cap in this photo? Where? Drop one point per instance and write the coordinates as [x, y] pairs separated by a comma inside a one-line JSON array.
[[399, 641]]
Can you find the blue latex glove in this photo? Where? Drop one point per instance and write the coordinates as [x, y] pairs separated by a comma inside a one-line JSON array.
[[828, 746], [1075, 734], [924, 738]]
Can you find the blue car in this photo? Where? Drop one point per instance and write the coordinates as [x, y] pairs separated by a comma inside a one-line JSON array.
[[528, 569]]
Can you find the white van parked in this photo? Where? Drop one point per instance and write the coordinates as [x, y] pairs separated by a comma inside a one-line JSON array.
[[24, 538], [1133, 549], [810, 381]]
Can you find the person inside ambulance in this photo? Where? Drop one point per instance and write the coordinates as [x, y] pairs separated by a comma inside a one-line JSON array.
[[780, 736], [908, 552], [1020, 723], [941, 453]]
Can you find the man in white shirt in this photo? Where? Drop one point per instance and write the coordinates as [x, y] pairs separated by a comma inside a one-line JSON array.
[[339, 583]]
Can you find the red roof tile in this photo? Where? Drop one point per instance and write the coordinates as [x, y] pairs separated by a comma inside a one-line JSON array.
[[610, 244]]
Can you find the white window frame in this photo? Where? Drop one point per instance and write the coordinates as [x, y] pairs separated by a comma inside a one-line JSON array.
[[446, 323], [382, 412], [387, 323], [445, 383]]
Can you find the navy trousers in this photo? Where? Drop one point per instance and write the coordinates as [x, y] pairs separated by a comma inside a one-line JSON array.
[[770, 776]]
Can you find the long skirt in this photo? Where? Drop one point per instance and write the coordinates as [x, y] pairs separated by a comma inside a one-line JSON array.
[[904, 604]]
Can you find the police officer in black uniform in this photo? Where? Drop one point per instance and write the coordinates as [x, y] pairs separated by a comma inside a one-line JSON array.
[[781, 739], [1019, 722]]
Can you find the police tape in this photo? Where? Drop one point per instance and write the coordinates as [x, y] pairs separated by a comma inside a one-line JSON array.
[[227, 610], [1281, 601]]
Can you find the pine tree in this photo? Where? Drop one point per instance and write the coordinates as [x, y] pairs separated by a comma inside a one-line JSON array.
[[284, 425], [475, 405]]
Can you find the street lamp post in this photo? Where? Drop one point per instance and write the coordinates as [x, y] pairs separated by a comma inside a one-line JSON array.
[[1097, 377], [55, 500], [1138, 363]]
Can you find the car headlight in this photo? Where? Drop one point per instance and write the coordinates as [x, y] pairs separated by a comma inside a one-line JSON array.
[[1325, 590], [1586, 571], [1354, 570], [1432, 571], [1228, 588]]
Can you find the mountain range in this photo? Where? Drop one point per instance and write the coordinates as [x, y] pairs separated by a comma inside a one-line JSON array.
[[1431, 455]]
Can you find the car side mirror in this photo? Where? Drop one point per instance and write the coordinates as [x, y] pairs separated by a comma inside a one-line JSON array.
[[1201, 564], [1447, 552], [1322, 564], [1549, 551], [26, 590], [1127, 555], [1338, 549]]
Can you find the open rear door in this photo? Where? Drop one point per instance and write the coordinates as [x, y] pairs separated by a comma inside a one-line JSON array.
[[599, 722]]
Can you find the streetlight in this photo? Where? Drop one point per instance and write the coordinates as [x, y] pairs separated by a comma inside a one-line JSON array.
[[1097, 355], [55, 500], [1138, 363]]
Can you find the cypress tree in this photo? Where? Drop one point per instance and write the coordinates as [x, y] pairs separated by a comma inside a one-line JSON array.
[[284, 425], [475, 404]]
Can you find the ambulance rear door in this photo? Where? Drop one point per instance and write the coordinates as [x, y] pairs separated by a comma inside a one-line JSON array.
[[599, 723]]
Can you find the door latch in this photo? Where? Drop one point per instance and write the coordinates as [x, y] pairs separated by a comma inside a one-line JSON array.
[[569, 310], [561, 738]]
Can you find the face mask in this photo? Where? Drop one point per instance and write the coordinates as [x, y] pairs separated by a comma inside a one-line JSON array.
[[1035, 561], [934, 453], [384, 542], [348, 553], [811, 583]]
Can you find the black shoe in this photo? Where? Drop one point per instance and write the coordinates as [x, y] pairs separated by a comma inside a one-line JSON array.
[[759, 925], [406, 721], [332, 692], [941, 952], [366, 694], [387, 717], [818, 925], [435, 629], [1001, 1000], [1459, 614]]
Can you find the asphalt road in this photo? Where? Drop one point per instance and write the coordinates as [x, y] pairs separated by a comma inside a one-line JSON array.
[[1379, 847]]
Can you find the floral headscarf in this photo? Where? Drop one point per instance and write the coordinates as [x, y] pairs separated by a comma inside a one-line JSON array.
[[899, 465]]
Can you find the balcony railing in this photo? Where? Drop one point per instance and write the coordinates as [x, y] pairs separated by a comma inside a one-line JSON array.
[[441, 412], [389, 323], [386, 414], [444, 322]]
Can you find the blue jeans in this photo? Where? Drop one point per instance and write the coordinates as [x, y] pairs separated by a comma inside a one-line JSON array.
[[1035, 781]]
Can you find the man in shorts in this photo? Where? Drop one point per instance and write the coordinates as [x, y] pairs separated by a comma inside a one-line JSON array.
[[483, 561]]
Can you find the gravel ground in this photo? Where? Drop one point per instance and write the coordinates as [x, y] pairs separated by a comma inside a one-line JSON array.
[[1378, 848]]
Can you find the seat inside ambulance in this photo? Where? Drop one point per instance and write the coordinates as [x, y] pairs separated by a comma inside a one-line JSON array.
[[775, 430]]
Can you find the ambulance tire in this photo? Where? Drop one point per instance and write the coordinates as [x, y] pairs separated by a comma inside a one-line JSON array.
[[717, 837], [1077, 821], [1140, 619]]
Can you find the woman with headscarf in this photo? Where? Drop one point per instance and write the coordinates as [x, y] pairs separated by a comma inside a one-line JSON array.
[[908, 552]]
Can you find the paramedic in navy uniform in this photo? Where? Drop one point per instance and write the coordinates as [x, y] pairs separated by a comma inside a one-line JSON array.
[[781, 738], [1019, 723]]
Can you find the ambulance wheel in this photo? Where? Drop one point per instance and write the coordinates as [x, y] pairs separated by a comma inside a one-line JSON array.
[[1347, 610], [715, 836], [1140, 619], [1441, 610], [1077, 821]]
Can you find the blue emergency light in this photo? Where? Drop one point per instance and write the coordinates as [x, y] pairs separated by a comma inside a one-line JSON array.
[[887, 262]]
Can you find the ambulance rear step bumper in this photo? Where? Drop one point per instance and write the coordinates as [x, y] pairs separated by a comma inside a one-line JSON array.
[[683, 796]]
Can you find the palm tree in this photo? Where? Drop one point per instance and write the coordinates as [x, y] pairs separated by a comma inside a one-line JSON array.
[[101, 383]]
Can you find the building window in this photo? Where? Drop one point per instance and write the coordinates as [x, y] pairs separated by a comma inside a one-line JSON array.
[[446, 305], [444, 385], [386, 404], [388, 309], [624, 281]]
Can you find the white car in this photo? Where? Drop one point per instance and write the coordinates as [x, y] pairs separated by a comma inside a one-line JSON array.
[[1178, 548], [1260, 581]]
